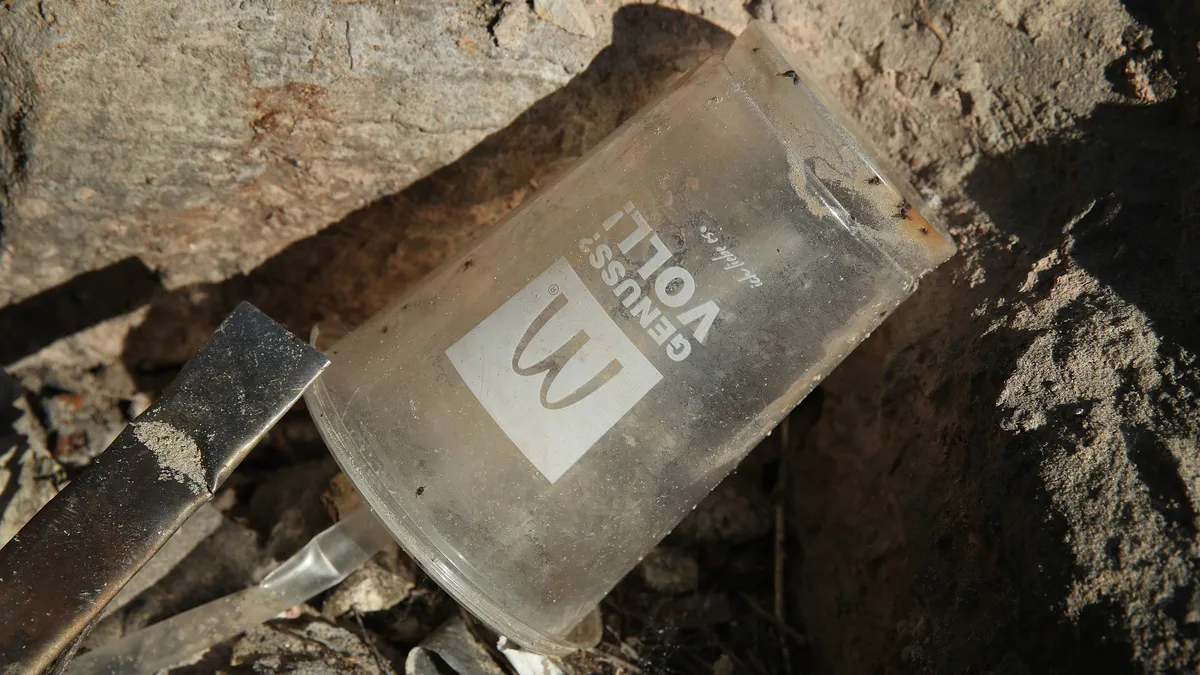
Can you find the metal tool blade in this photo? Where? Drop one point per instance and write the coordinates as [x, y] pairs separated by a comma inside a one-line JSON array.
[[73, 557]]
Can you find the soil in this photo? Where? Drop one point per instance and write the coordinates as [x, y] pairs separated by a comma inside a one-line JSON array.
[[177, 453], [1003, 479]]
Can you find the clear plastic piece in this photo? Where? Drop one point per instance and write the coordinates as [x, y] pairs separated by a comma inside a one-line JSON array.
[[320, 565], [543, 409]]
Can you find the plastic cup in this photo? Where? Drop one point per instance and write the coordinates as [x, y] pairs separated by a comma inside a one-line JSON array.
[[543, 409]]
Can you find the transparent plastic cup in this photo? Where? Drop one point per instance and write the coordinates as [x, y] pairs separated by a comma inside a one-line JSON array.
[[544, 408]]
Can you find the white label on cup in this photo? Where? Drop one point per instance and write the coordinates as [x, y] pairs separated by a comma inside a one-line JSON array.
[[553, 370]]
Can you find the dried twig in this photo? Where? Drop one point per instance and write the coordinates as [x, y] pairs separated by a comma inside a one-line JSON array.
[[289, 631], [629, 651], [362, 631], [924, 19]]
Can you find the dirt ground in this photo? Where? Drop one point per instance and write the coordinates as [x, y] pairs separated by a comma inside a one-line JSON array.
[[1005, 478]]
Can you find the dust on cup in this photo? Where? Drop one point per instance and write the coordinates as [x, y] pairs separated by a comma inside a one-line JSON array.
[[541, 411]]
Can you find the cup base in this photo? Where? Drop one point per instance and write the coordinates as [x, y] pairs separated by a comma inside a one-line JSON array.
[[436, 562]]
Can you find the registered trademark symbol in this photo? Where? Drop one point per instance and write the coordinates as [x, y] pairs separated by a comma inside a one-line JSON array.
[[553, 289]]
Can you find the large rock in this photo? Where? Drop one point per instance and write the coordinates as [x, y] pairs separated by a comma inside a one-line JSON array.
[[1006, 477], [381, 584], [205, 137]]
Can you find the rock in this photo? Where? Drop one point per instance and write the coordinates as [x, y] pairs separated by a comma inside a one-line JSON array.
[[1003, 477], [29, 476], [1147, 78], [340, 498], [309, 646], [81, 429], [138, 403], [1139, 81], [698, 610], [409, 630], [669, 570], [382, 583], [255, 124]]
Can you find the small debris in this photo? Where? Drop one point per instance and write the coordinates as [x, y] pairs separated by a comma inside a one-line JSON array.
[[29, 476], [792, 75], [669, 570], [289, 505], [80, 427], [309, 646], [138, 403], [763, 10], [382, 583], [455, 645], [737, 511], [1192, 616], [340, 498]]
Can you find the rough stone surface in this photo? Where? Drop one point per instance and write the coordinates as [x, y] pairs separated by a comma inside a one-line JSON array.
[[204, 138], [381, 584], [288, 505], [1003, 479], [309, 647]]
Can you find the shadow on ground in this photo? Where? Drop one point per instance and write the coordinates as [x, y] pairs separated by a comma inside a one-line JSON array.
[[987, 564]]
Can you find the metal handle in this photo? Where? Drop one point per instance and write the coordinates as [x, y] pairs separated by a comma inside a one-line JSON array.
[[64, 566]]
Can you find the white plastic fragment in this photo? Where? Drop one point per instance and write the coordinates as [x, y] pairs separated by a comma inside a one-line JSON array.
[[528, 663]]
